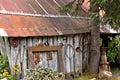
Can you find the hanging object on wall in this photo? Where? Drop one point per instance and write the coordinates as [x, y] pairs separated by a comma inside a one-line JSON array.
[[49, 56], [14, 42], [37, 58]]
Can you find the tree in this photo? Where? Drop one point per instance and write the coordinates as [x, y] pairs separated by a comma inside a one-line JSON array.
[[109, 15], [101, 11]]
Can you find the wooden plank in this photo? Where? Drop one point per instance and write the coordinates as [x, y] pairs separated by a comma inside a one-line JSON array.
[[51, 62], [23, 52], [40, 42], [35, 41], [2, 47], [67, 61], [45, 48], [15, 55], [71, 50], [77, 53], [63, 40], [44, 54], [80, 54], [55, 55], [8, 51], [87, 51], [29, 43]]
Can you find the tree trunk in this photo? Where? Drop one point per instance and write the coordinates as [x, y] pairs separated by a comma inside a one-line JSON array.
[[95, 48]]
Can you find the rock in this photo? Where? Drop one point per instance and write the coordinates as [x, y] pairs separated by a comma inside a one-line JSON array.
[[93, 79], [105, 75], [4, 79]]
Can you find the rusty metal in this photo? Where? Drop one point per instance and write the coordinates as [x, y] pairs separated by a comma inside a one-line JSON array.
[[23, 26], [12, 25], [20, 19], [45, 49], [49, 56], [37, 58], [32, 6], [14, 42]]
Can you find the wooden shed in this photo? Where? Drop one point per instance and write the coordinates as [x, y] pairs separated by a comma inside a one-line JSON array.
[[28, 23]]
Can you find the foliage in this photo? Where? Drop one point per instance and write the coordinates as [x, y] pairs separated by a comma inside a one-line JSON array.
[[101, 41], [86, 76], [115, 70], [4, 69], [15, 69], [111, 9], [112, 48], [42, 73], [69, 8]]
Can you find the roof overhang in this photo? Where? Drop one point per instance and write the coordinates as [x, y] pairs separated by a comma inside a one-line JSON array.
[[25, 26]]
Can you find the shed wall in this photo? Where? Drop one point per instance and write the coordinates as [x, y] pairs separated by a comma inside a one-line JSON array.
[[75, 51]]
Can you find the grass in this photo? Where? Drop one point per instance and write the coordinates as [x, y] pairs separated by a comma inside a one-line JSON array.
[[115, 69]]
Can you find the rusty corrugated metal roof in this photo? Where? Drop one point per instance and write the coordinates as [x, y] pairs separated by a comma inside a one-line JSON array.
[[33, 6], [21, 18], [21, 26], [107, 29]]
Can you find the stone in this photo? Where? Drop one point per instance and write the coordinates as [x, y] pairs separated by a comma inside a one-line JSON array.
[[4, 79], [93, 79], [105, 75]]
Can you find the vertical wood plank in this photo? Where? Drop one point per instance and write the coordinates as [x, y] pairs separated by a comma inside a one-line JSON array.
[[29, 43], [35, 41], [39, 42], [61, 41], [2, 47], [55, 54], [80, 54], [77, 54], [15, 55], [7, 44], [71, 52], [23, 52], [44, 54], [50, 62], [87, 51], [67, 61]]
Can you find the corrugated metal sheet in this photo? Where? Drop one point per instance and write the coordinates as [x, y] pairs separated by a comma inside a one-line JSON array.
[[107, 29], [21, 26], [33, 6], [26, 25]]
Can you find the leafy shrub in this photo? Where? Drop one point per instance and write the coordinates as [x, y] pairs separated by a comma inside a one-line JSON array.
[[113, 45], [42, 73], [4, 68]]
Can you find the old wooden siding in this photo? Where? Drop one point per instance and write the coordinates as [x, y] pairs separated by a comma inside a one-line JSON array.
[[73, 60]]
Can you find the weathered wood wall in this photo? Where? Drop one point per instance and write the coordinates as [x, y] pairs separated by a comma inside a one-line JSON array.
[[75, 51]]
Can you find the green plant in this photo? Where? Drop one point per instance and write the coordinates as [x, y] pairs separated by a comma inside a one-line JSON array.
[[4, 68], [101, 41], [112, 48], [42, 73]]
